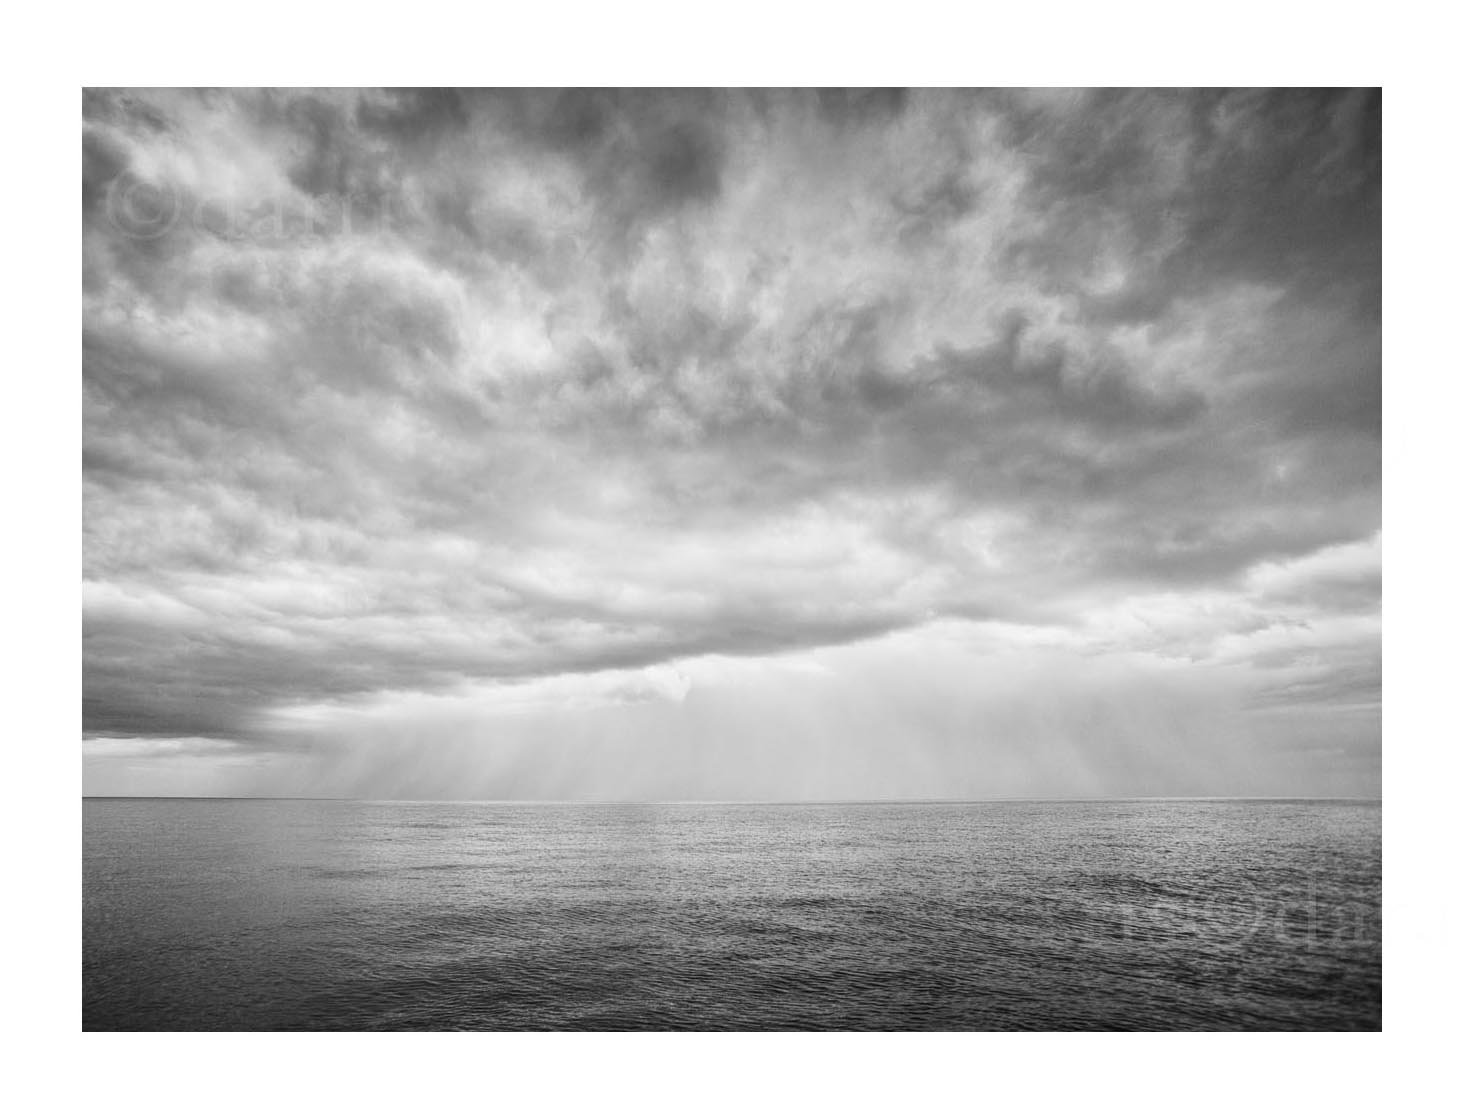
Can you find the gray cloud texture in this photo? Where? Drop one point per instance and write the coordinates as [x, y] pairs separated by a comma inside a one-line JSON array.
[[420, 392]]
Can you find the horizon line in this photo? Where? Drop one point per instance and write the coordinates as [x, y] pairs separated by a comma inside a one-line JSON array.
[[621, 803]]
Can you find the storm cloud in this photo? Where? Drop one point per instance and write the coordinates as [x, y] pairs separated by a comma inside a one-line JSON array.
[[721, 444]]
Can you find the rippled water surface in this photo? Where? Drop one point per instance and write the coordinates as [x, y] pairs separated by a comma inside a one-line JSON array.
[[259, 914]]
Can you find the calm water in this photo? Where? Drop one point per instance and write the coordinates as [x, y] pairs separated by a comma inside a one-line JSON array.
[[247, 915]]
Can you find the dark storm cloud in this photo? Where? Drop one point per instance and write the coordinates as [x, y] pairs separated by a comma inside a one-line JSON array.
[[405, 390], [861, 106], [1216, 186]]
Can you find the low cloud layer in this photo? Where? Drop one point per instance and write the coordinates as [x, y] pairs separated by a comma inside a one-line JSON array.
[[508, 443]]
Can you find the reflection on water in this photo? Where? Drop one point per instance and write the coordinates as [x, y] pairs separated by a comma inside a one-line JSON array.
[[1010, 915]]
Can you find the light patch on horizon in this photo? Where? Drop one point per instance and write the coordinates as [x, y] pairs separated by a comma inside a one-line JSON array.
[[731, 445]]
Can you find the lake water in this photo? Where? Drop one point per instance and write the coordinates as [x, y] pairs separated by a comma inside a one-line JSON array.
[[340, 915]]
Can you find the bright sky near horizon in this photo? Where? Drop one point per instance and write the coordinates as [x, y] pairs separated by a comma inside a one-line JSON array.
[[731, 445]]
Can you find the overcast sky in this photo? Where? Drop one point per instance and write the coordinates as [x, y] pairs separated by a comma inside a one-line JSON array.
[[731, 445]]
